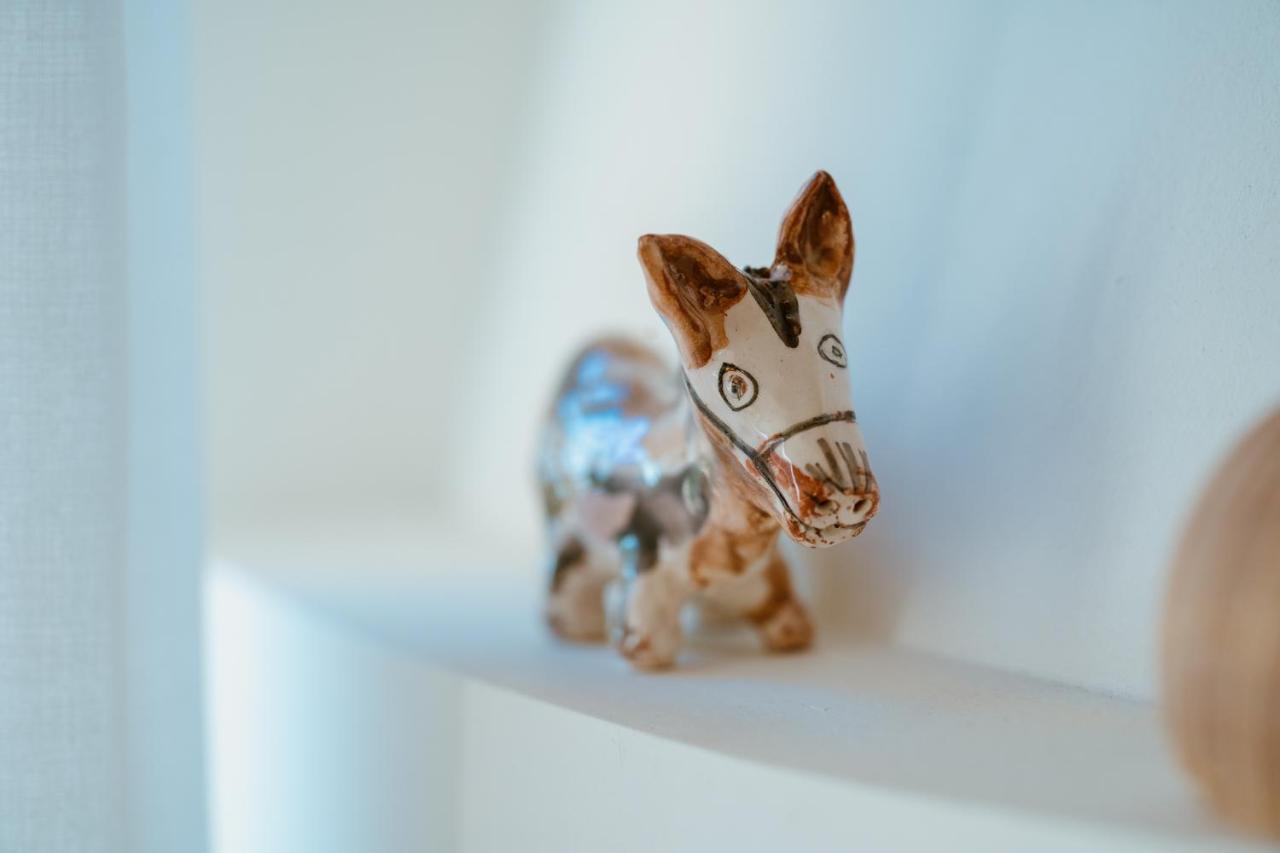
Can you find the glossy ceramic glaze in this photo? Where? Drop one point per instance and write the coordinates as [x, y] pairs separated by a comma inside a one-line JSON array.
[[795, 429], [678, 479]]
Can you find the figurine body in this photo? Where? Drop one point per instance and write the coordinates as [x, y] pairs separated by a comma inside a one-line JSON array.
[[680, 481]]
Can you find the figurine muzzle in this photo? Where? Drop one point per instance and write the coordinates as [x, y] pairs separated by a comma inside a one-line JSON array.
[[819, 471], [822, 483]]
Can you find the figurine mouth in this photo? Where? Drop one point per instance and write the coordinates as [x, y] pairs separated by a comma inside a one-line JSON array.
[[831, 534], [759, 460], [855, 528]]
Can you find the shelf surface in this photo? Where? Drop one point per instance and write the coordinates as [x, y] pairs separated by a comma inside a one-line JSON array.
[[892, 719]]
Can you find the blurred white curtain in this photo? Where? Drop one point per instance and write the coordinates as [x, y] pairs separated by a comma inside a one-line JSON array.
[[100, 744]]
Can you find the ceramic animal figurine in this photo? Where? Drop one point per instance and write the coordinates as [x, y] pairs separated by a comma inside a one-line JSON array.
[[1222, 636], [680, 481]]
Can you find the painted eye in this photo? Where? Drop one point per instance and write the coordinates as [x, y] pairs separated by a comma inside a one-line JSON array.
[[737, 387], [832, 350]]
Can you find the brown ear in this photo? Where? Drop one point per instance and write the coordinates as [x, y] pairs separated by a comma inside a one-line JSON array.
[[816, 238], [692, 286]]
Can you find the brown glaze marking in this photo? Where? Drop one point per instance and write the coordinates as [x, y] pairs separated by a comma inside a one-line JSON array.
[[780, 592], [723, 552], [737, 484], [816, 240], [810, 493], [737, 534], [692, 286], [571, 554], [837, 476], [857, 474]]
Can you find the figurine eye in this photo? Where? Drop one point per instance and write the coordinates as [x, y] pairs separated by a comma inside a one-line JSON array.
[[832, 350], [737, 387]]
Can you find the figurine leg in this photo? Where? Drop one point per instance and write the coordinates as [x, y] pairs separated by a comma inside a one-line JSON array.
[[764, 598], [575, 601], [651, 634]]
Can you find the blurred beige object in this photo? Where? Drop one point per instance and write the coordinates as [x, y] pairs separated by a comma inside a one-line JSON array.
[[1222, 636]]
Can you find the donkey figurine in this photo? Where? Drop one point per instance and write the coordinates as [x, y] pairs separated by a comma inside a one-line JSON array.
[[679, 484]]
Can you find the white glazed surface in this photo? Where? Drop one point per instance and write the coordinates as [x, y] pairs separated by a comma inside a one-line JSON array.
[[793, 385], [770, 443]]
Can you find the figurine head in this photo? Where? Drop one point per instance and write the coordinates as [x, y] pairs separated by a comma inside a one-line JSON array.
[[766, 368]]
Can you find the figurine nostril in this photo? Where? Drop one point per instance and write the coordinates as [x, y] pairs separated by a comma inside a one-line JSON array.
[[861, 504]]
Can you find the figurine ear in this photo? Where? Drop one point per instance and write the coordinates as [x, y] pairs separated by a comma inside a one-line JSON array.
[[692, 286], [816, 238]]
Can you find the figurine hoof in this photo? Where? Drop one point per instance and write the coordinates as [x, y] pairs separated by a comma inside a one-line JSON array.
[[649, 651], [788, 630]]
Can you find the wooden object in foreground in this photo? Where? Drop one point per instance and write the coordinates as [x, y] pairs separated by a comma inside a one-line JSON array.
[[1222, 636]]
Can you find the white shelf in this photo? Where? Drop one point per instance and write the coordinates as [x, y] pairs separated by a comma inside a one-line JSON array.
[[937, 743]]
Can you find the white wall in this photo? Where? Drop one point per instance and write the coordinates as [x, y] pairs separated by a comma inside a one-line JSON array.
[[1064, 304], [349, 160]]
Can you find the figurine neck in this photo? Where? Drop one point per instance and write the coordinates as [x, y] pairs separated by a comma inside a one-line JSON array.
[[736, 512], [735, 501]]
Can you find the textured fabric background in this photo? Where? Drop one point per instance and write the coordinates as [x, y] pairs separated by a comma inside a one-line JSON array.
[[100, 709], [163, 716], [62, 438]]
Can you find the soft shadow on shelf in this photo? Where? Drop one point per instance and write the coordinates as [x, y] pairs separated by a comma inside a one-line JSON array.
[[728, 651]]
